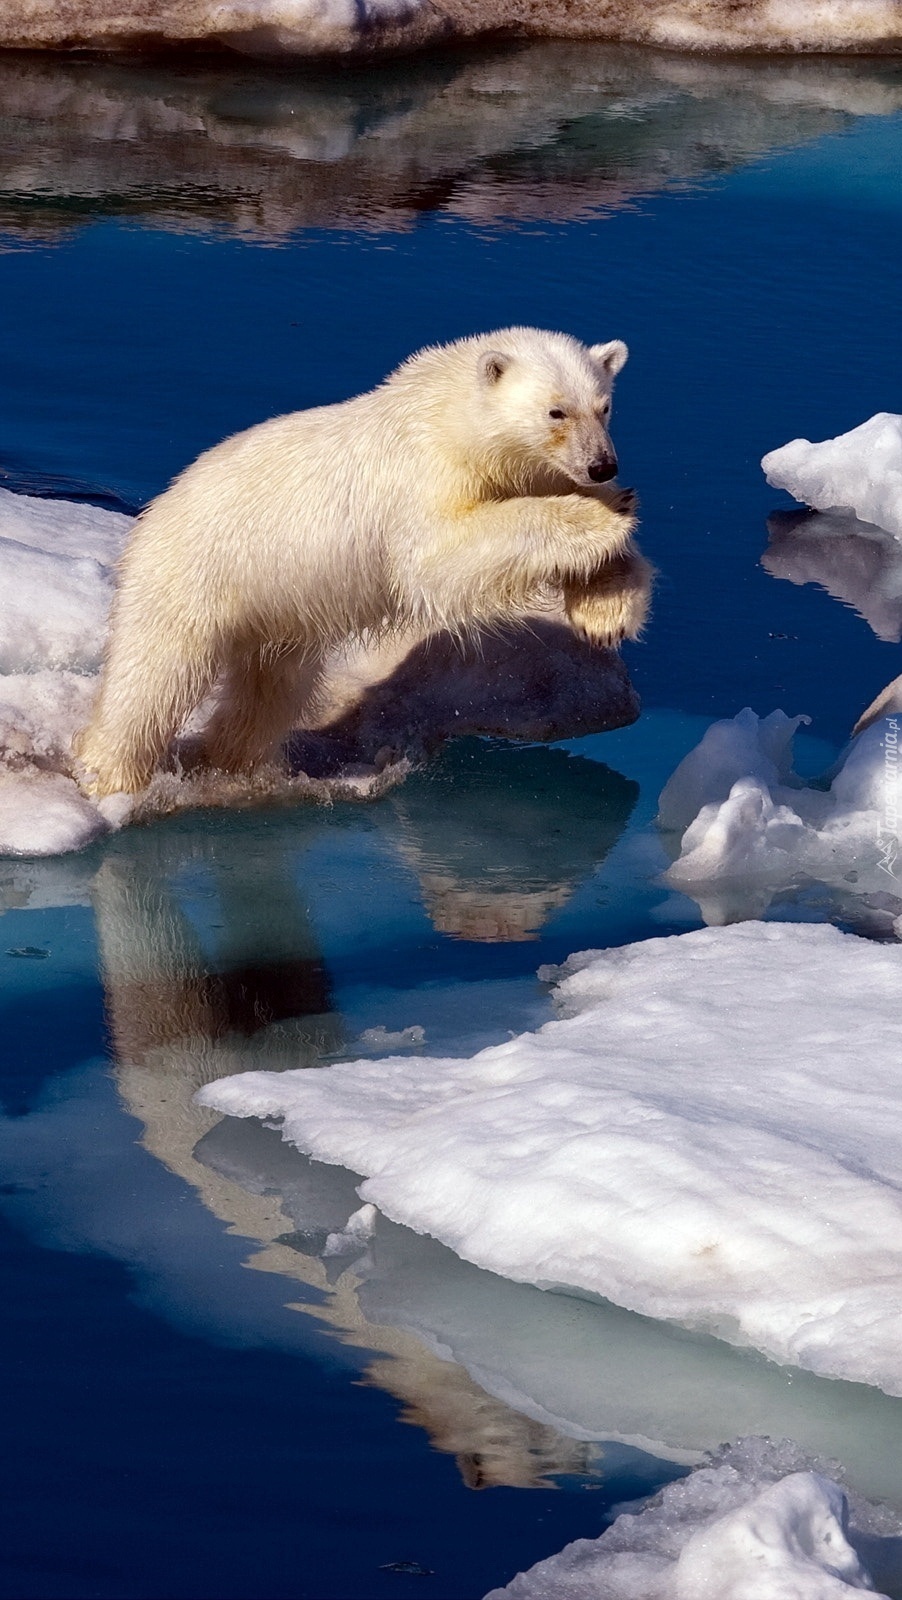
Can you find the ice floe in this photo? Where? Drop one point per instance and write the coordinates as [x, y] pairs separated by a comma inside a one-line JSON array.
[[710, 1136], [314, 27], [253, 27], [756, 1524], [745, 826], [383, 706], [860, 471]]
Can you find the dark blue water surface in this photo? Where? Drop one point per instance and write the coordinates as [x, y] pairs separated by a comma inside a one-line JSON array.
[[186, 251]]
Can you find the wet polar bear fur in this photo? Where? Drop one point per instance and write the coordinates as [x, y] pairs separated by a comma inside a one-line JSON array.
[[458, 493]]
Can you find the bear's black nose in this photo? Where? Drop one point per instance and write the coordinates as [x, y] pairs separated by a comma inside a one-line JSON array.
[[602, 471]]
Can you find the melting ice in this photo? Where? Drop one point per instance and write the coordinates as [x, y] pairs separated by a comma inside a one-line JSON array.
[[709, 1136], [757, 1524], [860, 471], [746, 826]]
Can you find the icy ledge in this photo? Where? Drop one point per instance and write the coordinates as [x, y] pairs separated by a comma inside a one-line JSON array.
[[710, 1135], [859, 471], [752, 1526], [316, 27]]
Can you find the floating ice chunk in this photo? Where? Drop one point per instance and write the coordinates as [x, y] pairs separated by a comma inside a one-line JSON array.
[[382, 1038], [729, 750], [735, 1530], [745, 819], [860, 471], [704, 1139], [888, 703]]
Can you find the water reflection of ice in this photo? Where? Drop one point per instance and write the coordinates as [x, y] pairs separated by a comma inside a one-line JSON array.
[[854, 561], [212, 962], [590, 1372], [541, 130]]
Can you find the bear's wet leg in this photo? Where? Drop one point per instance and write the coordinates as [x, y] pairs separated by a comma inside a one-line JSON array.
[[265, 691], [144, 699]]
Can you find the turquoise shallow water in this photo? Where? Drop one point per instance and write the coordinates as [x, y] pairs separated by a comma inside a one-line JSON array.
[[185, 252]]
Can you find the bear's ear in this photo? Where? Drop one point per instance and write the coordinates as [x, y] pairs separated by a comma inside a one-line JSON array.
[[612, 356], [492, 364]]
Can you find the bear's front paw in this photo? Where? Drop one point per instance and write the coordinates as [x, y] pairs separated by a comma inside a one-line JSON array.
[[624, 501], [613, 604]]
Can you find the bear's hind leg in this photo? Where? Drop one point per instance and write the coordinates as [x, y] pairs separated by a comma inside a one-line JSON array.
[[265, 690], [145, 697]]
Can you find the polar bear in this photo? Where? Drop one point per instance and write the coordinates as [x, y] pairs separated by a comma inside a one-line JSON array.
[[462, 490]]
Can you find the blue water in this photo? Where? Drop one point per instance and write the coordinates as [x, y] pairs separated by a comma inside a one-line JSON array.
[[174, 1427]]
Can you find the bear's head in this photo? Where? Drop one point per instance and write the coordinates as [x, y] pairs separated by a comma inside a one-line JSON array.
[[546, 403]]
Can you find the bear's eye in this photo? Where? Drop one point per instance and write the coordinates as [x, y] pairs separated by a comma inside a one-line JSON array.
[[556, 414]]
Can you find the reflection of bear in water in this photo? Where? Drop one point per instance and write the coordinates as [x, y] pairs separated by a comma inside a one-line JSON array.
[[469, 484], [178, 999], [499, 837], [210, 967]]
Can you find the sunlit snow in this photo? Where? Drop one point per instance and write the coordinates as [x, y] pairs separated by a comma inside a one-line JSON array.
[[746, 826], [757, 1524], [711, 1136], [860, 471]]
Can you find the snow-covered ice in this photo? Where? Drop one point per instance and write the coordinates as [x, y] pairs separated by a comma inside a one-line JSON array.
[[255, 27], [310, 27], [747, 826], [860, 471], [756, 1524], [711, 1136], [56, 560]]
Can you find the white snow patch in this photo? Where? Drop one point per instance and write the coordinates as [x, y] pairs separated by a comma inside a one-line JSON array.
[[706, 1139], [56, 573], [757, 1524], [860, 471], [43, 814], [748, 823], [56, 560]]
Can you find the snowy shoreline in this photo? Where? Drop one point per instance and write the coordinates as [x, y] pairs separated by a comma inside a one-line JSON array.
[[321, 28]]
